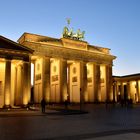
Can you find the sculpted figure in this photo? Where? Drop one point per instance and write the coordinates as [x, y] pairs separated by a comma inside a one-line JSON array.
[[70, 33], [74, 36], [81, 36], [65, 32], [78, 33]]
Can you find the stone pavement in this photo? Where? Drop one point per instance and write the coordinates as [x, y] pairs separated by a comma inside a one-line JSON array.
[[102, 122], [129, 136]]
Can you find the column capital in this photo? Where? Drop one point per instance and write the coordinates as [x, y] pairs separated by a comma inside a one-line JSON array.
[[83, 62], [62, 59], [98, 64], [25, 62]]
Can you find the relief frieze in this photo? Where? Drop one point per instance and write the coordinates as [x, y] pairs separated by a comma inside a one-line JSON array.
[[102, 80], [74, 79], [38, 77], [89, 79], [54, 78]]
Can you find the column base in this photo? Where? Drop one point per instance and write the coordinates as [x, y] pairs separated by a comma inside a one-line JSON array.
[[7, 107], [25, 106]]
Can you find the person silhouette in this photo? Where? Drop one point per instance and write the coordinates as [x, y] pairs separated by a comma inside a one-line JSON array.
[[43, 103]]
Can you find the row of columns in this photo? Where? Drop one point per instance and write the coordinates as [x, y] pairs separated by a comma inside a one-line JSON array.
[[26, 84], [119, 90], [64, 87], [46, 81]]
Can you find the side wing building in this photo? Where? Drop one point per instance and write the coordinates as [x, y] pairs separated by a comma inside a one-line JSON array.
[[15, 62]]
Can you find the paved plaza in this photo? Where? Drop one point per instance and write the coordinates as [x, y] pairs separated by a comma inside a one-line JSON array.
[[102, 122]]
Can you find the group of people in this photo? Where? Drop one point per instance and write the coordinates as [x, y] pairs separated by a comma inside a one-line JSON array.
[[43, 104]]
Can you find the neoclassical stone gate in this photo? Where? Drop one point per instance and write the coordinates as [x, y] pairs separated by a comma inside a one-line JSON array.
[[69, 69]]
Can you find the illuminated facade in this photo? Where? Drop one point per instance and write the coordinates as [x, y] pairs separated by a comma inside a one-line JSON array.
[[14, 73], [69, 69], [127, 87]]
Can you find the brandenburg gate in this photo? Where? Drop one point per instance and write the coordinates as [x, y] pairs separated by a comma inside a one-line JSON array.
[[69, 68]]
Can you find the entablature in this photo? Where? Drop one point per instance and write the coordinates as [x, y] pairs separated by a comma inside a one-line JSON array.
[[69, 53]]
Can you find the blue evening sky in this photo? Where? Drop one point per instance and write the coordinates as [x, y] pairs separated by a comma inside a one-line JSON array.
[[113, 24]]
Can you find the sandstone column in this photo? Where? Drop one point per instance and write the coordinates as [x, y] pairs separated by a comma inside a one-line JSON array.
[[114, 91], [7, 88], [128, 90], [109, 96], [29, 81], [137, 90], [97, 82], [19, 85], [68, 83], [117, 90], [46, 79], [26, 91], [63, 77], [122, 91], [83, 81]]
